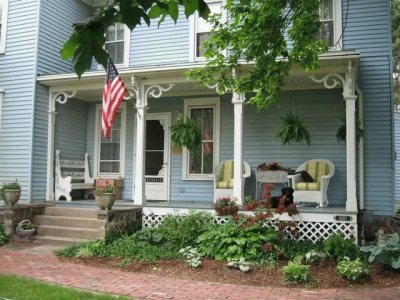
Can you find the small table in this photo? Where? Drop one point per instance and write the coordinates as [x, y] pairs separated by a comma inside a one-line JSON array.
[[278, 176]]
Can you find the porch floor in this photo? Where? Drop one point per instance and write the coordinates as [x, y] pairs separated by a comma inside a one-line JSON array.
[[203, 205]]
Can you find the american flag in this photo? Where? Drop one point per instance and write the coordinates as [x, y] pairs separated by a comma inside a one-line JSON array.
[[114, 92]]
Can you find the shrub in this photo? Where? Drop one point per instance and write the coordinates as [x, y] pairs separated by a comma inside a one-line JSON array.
[[315, 256], [387, 253], [338, 247], [69, 251], [3, 236], [182, 231], [293, 248], [352, 270], [235, 240], [295, 271]]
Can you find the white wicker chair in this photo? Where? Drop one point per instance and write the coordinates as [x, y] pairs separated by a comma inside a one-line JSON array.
[[223, 178], [321, 170]]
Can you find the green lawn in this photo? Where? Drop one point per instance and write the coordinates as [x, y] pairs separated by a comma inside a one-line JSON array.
[[18, 288]]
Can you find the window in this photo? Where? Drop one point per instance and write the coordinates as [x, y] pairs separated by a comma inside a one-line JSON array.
[[118, 43], [330, 12], [110, 153], [3, 24], [199, 162], [201, 30]]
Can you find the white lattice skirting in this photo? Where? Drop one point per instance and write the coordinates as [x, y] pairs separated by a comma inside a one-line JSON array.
[[313, 227]]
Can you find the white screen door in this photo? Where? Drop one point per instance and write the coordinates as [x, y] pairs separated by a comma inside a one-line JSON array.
[[157, 156]]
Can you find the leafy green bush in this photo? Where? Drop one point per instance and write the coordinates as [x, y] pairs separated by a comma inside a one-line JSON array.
[[295, 271], [234, 241], [182, 231], [352, 270], [70, 251], [193, 258], [293, 248], [338, 247], [3, 236], [387, 253]]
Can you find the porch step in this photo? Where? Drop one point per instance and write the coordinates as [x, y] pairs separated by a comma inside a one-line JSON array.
[[56, 240], [71, 232], [65, 221], [71, 212]]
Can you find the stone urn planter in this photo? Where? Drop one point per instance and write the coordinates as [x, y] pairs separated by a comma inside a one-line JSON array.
[[25, 228], [10, 193], [11, 197], [105, 201]]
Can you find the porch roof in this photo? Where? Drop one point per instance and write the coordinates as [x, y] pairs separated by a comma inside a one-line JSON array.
[[89, 86]]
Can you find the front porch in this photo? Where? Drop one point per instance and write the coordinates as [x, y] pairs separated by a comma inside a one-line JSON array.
[[161, 95]]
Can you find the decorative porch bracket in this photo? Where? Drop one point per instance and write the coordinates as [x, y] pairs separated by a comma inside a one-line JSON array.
[[61, 98], [347, 81], [141, 92]]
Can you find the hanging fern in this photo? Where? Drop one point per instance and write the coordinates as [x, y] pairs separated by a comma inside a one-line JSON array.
[[186, 133], [341, 133], [292, 130]]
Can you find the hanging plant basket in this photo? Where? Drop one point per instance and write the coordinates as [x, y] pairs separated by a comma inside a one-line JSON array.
[[186, 133], [341, 133], [292, 130]]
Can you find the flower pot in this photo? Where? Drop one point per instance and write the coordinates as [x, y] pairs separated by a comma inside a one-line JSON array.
[[24, 232], [105, 201], [11, 196]]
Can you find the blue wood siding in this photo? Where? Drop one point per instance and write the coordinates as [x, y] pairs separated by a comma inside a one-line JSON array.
[[56, 20], [70, 129], [397, 149], [17, 79], [368, 32]]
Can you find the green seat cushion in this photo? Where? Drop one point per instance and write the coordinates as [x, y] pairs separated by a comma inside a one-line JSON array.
[[226, 172], [317, 169], [225, 184], [308, 186]]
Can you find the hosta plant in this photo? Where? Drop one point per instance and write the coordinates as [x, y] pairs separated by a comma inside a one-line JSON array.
[[295, 271], [352, 270], [387, 253], [193, 258], [240, 264]]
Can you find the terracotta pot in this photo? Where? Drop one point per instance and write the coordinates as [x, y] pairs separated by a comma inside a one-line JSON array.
[[11, 196], [105, 201]]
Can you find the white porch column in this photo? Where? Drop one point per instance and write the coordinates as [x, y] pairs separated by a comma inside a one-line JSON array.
[[350, 97], [141, 109], [62, 98], [238, 182]]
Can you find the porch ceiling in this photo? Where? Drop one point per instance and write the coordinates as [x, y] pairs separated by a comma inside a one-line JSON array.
[[89, 86]]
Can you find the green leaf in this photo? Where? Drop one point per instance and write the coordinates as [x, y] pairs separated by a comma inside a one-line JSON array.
[[173, 10]]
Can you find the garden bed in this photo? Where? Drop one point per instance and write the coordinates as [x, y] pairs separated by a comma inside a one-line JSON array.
[[324, 275]]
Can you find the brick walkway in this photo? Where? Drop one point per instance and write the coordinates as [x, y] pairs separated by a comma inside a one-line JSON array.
[[38, 262]]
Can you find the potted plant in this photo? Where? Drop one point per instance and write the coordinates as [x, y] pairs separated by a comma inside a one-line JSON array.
[[292, 130], [186, 133], [10, 192], [226, 206], [105, 196], [25, 228], [341, 132]]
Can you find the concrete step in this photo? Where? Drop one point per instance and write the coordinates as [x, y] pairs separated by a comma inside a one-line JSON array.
[[56, 240], [65, 221], [70, 232], [71, 212]]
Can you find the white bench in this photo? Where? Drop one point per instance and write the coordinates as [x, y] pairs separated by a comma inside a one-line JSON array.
[[71, 175]]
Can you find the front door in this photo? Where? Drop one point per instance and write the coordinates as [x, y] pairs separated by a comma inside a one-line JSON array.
[[157, 156]]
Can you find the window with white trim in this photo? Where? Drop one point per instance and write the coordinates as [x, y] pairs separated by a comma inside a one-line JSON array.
[[110, 153], [3, 24], [330, 12], [201, 29], [118, 43], [199, 162]]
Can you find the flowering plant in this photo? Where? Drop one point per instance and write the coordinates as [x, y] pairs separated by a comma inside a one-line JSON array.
[[107, 189], [225, 206], [274, 166]]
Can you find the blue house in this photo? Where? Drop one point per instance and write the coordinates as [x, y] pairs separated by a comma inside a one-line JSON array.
[[45, 108]]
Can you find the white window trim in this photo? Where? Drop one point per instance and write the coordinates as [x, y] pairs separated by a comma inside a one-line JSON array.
[[4, 27], [337, 26], [192, 30], [127, 47], [198, 103], [97, 139]]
